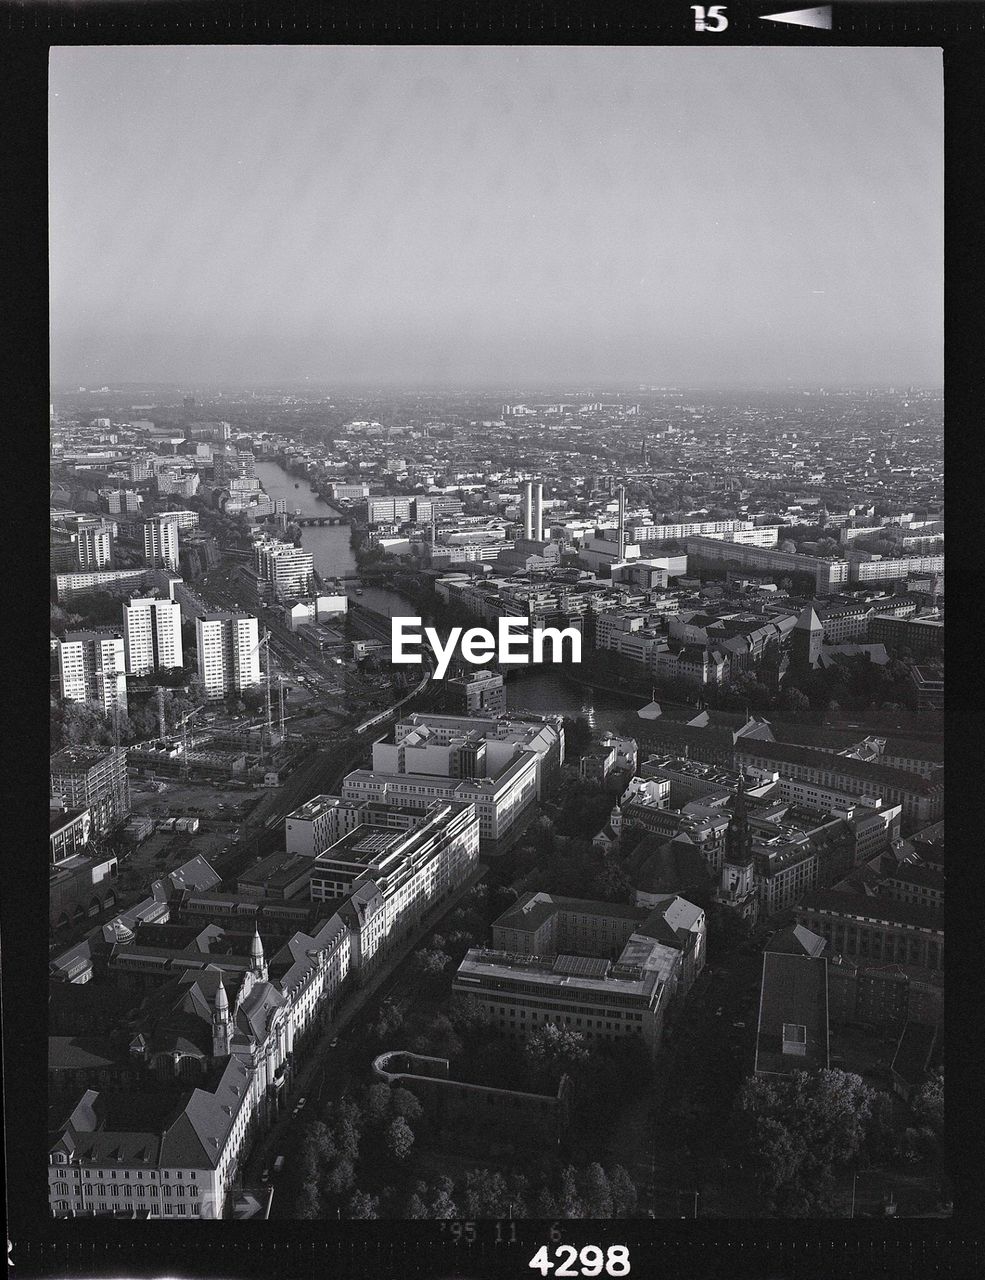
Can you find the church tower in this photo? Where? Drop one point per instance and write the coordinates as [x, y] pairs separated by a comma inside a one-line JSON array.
[[737, 888], [806, 640], [258, 965], [222, 1024]]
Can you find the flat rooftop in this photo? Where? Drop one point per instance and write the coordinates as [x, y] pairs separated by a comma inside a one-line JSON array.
[[504, 967], [792, 1032], [366, 845]]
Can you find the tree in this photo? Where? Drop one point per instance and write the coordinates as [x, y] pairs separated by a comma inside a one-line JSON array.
[[347, 1137], [928, 1105], [624, 1193], [596, 1192], [399, 1138], [796, 1131], [362, 1205], [378, 1103], [340, 1178], [553, 1049], [431, 962], [572, 1205], [546, 1205], [794, 706], [442, 1205], [468, 1016], [486, 1194], [414, 1207], [406, 1104]]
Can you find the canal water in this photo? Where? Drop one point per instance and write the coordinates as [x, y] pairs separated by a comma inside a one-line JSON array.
[[548, 693], [542, 691], [329, 544]]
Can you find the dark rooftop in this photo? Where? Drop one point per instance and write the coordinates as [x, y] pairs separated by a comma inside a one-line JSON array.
[[793, 1014]]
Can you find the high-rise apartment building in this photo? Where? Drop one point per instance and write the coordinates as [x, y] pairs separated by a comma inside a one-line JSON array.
[[93, 778], [289, 570], [92, 668], [228, 653], [161, 542], [93, 543], [152, 635]]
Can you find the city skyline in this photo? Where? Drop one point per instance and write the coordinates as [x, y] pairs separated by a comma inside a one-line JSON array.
[[473, 216]]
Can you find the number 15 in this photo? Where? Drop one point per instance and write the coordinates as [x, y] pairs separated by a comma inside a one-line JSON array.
[[703, 18]]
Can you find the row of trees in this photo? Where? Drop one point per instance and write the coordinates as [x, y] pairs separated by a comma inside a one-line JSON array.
[[796, 1135], [358, 1161]]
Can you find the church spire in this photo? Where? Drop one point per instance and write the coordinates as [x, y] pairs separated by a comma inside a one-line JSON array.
[[222, 1027], [258, 964]]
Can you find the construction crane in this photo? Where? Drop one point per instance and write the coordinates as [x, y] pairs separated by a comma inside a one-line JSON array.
[[182, 724]]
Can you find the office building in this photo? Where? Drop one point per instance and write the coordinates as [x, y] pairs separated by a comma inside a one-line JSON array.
[[478, 693], [387, 878], [161, 542], [828, 575], [875, 927], [93, 778], [92, 668], [152, 635], [228, 647], [810, 776], [920, 637]]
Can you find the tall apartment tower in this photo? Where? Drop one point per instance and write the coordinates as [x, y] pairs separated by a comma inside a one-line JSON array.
[[152, 635], [94, 544], [228, 653], [528, 511], [622, 521], [92, 668], [288, 569], [161, 542]]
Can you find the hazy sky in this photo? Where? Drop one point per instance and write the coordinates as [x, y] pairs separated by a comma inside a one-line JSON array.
[[488, 215]]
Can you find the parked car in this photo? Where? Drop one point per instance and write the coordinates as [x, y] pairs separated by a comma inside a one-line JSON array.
[[740, 1025], [265, 1176], [279, 1164], [334, 1043], [719, 1011]]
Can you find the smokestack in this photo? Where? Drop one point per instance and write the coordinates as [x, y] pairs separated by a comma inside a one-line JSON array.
[[622, 522], [538, 512], [528, 511]]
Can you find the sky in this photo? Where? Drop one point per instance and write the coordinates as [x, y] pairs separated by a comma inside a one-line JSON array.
[[482, 216]]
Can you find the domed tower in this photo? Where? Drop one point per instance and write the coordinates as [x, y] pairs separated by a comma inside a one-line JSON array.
[[258, 965], [222, 1023]]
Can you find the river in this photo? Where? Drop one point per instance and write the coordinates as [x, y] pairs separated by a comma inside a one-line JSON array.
[[542, 691], [329, 544], [549, 693]]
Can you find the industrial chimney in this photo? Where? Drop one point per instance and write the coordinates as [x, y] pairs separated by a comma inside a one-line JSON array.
[[538, 520]]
